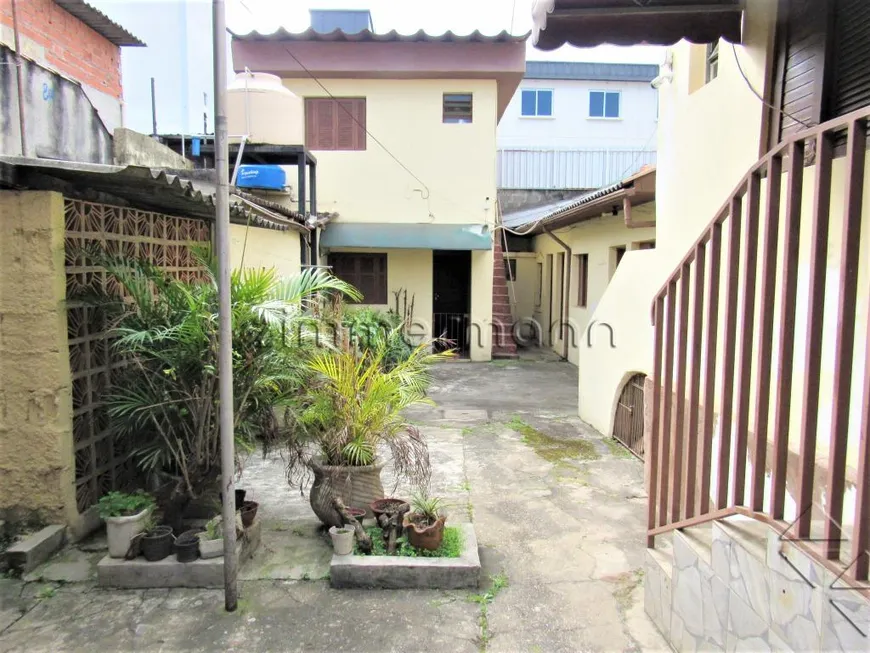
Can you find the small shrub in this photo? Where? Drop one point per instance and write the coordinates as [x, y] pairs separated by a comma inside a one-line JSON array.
[[121, 504]]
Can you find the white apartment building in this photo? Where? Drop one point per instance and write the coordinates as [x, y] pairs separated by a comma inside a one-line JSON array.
[[578, 125]]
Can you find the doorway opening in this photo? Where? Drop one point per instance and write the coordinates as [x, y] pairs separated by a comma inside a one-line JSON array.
[[451, 300]]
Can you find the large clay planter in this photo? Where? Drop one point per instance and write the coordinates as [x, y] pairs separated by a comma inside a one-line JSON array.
[[428, 537], [356, 486], [120, 530]]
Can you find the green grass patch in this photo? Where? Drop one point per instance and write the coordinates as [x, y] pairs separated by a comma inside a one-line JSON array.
[[498, 583], [617, 450], [553, 449], [451, 545]]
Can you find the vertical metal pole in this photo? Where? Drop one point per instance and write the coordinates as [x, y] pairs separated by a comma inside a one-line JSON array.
[[225, 354], [19, 68], [153, 109]]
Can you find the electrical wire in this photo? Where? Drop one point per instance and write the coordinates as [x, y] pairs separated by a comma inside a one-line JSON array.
[[759, 96], [513, 13], [359, 124]]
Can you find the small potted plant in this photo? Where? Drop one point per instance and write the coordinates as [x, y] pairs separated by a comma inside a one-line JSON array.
[[211, 541], [388, 506], [249, 511], [156, 542], [425, 524], [187, 546], [125, 516], [342, 540]]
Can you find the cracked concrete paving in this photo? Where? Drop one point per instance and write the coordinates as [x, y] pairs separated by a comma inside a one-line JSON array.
[[557, 509]]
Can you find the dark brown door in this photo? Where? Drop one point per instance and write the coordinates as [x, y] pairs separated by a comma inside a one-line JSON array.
[[451, 298]]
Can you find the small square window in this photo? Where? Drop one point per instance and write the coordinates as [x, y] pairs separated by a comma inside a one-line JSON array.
[[604, 104], [537, 102], [457, 107]]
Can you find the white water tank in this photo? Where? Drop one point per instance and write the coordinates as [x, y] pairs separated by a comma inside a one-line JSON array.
[[259, 105]]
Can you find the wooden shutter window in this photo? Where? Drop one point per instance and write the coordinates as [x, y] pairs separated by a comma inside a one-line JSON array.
[[366, 272], [850, 84], [335, 124]]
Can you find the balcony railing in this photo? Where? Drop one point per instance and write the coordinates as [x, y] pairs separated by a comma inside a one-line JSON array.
[[726, 358]]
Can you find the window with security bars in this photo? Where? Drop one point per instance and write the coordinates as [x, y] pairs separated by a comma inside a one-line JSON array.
[[457, 108], [335, 123], [366, 272]]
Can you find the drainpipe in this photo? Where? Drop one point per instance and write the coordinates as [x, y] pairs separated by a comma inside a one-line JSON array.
[[566, 283], [19, 65]]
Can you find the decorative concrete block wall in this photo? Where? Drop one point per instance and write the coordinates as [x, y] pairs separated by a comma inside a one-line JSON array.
[[736, 585]]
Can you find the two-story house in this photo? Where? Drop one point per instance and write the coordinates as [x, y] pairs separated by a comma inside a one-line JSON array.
[[578, 125], [69, 77], [404, 131]]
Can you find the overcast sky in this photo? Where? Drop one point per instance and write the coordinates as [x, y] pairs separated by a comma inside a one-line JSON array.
[[434, 16]]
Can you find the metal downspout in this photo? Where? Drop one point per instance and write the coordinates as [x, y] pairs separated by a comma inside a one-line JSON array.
[[19, 67], [566, 283]]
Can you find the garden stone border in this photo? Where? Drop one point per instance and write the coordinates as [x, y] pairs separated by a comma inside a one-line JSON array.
[[399, 572]]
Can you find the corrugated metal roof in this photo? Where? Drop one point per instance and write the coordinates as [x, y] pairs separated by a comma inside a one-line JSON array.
[[99, 22], [143, 188], [349, 21], [393, 36], [615, 72], [548, 211]]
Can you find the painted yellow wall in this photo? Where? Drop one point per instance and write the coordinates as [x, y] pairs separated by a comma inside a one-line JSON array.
[[456, 162], [597, 238], [522, 291], [36, 446], [265, 248], [709, 136]]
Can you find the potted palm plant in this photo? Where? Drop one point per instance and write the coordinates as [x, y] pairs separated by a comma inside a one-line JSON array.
[[425, 524], [164, 404], [125, 516], [350, 411]]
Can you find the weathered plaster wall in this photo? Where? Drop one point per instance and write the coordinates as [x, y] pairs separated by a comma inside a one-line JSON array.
[[266, 248], [36, 449], [133, 148], [60, 120]]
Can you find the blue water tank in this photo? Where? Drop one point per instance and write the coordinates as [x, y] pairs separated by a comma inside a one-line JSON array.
[[266, 177]]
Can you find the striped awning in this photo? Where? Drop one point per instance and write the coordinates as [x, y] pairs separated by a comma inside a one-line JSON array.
[[587, 23], [376, 235]]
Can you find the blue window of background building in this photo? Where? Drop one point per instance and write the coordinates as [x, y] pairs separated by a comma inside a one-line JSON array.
[[604, 104], [537, 102]]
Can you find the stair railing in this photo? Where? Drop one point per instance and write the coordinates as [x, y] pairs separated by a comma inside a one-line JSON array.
[[701, 468]]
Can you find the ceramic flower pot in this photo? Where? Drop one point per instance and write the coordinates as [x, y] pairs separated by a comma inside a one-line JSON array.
[[421, 536], [342, 540], [210, 548], [157, 543], [249, 511], [120, 530], [356, 486], [386, 506]]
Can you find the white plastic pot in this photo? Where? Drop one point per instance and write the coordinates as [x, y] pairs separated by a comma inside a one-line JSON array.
[[210, 548], [342, 540], [120, 530]]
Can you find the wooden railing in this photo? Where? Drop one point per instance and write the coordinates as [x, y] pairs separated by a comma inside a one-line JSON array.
[[748, 294]]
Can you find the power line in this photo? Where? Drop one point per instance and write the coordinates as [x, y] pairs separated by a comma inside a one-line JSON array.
[[513, 13]]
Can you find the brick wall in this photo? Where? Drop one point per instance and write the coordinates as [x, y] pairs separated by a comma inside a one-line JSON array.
[[68, 45]]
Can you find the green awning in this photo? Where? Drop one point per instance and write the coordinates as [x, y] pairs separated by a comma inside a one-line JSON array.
[[380, 235]]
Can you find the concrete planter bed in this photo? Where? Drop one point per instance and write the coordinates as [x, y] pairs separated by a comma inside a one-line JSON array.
[[140, 573], [405, 572]]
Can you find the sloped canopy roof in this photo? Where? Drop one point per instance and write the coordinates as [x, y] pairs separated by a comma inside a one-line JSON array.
[[587, 23], [392, 36], [99, 22]]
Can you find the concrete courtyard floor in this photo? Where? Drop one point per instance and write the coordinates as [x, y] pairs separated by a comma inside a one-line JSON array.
[[559, 511]]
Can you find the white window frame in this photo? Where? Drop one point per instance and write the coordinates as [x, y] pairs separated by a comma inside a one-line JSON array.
[[536, 116], [604, 106]]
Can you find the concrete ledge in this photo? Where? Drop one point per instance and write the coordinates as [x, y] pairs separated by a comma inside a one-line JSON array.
[[35, 549], [141, 574], [397, 572]]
